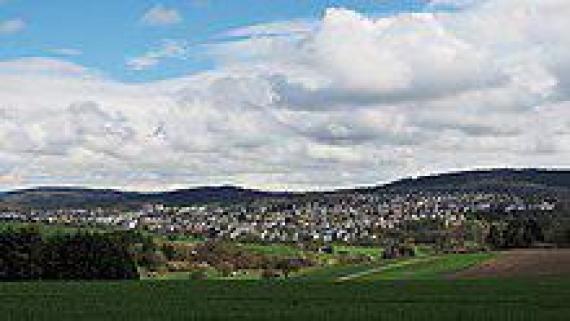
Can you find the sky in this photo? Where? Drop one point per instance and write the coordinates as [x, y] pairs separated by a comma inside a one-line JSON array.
[[116, 36], [278, 95]]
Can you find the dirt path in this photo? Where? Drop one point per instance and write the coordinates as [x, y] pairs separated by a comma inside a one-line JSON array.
[[522, 263]]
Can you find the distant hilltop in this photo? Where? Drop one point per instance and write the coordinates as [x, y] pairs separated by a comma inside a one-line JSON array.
[[493, 180], [488, 179]]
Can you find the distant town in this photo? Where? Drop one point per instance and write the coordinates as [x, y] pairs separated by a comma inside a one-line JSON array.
[[342, 217]]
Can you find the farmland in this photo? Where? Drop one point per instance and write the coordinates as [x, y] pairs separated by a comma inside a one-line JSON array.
[[417, 288], [522, 263], [273, 300], [329, 283]]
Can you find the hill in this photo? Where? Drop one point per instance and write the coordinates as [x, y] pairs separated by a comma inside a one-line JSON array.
[[62, 197], [525, 181], [514, 180]]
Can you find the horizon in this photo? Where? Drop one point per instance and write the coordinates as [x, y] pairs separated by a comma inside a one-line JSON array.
[[253, 189], [176, 94]]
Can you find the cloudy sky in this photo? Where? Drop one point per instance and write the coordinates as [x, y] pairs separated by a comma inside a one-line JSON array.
[[281, 94]]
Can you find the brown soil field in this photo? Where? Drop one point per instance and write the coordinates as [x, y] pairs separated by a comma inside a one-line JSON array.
[[521, 263]]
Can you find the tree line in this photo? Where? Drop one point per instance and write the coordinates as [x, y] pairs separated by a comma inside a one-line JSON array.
[[25, 254]]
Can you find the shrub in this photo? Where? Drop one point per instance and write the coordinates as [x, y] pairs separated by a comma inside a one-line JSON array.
[[198, 275], [270, 274]]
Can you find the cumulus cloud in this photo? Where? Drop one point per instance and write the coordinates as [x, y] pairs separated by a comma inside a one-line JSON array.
[[160, 15], [11, 26], [292, 107]]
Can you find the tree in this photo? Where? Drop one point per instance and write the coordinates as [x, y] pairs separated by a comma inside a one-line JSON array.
[[153, 260], [495, 238], [288, 266], [86, 256], [225, 268]]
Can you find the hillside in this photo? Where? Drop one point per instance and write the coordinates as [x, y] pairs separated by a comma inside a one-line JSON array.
[[519, 180], [500, 180], [56, 197]]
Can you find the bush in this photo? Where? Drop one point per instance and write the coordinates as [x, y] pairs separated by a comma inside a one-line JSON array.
[[270, 274], [225, 268], [396, 251], [153, 260], [198, 275]]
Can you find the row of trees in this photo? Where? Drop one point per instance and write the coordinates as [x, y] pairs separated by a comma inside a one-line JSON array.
[[516, 233], [493, 230], [27, 255]]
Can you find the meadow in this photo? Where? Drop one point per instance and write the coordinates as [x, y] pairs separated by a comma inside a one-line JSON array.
[[545, 299]]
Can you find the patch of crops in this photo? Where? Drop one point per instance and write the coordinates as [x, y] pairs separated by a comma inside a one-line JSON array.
[[267, 300]]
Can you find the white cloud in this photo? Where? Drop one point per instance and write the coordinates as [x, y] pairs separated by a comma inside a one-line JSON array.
[[169, 49], [42, 66], [12, 26], [410, 94], [281, 28], [160, 15], [67, 51], [454, 3]]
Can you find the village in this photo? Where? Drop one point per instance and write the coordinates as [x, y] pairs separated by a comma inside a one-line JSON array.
[[352, 218]]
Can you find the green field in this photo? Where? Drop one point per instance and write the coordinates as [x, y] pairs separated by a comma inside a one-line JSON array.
[[273, 249], [428, 267], [271, 300], [404, 289], [333, 272], [358, 250]]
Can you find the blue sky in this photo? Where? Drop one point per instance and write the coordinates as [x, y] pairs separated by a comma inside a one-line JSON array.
[[109, 32]]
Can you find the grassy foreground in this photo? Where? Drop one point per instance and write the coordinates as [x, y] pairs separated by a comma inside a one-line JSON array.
[[545, 299]]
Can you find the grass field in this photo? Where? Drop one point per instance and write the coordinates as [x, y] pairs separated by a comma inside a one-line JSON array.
[[360, 250], [426, 287], [273, 249], [284, 249], [419, 300], [333, 272], [428, 267]]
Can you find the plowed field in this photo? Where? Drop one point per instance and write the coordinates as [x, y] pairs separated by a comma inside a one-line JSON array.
[[522, 263]]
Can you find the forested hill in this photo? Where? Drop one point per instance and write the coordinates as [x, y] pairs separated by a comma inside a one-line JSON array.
[[489, 180], [58, 197], [500, 180]]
